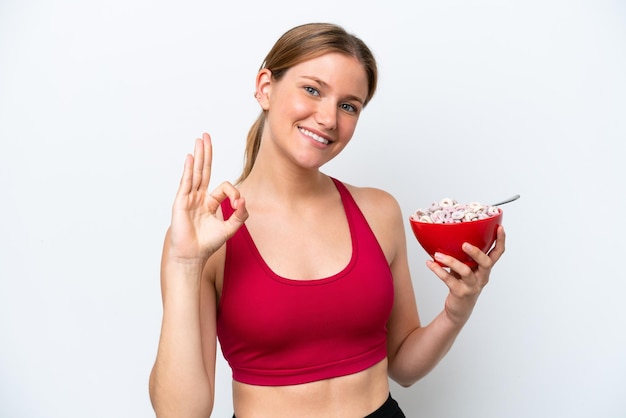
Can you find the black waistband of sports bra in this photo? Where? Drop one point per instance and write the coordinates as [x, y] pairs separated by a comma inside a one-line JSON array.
[[390, 409]]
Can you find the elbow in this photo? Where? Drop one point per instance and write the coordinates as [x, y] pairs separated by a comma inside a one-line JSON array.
[[181, 409], [407, 377], [172, 403], [152, 389], [404, 381]]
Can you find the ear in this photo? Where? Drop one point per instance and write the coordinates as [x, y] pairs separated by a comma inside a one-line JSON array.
[[263, 88]]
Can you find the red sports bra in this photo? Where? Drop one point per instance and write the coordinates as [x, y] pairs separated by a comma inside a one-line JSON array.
[[276, 331]]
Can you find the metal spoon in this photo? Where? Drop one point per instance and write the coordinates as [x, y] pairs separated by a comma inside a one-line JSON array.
[[510, 199]]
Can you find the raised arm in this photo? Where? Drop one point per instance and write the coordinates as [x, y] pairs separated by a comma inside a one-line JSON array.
[[183, 376]]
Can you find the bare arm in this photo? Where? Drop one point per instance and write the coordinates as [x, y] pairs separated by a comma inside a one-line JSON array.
[[414, 350], [183, 376]]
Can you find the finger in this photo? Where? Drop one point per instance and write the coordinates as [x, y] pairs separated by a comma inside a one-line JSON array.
[[185, 181], [444, 275], [208, 157], [224, 191], [500, 246], [239, 216], [227, 191], [198, 156], [477, 255], [455, 265]]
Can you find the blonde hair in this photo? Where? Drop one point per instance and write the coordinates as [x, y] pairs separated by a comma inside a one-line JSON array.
[[300, 44]]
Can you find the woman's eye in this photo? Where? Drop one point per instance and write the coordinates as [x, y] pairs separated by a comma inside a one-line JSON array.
[[312, 91], [349, 108]]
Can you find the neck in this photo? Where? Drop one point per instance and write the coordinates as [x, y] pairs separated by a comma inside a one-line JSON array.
[[274, 176], [284, 183]]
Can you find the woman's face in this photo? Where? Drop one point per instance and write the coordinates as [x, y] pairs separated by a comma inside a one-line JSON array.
[[313, 109]]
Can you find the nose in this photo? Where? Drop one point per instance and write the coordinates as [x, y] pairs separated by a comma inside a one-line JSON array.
[[326, 114]]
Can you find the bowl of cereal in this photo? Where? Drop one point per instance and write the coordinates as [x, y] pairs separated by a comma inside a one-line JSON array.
[[445, 225]]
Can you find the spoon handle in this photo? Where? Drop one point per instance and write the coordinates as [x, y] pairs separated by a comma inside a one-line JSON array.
[[510, 199]]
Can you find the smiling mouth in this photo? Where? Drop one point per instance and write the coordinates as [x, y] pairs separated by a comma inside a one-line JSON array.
[[314, 136]]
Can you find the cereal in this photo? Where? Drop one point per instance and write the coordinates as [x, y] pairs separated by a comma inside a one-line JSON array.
[[449, 211]]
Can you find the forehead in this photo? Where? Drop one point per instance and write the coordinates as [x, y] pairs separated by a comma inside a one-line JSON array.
[[337, 71]]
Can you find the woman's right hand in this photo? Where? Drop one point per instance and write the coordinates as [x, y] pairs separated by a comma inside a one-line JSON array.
[[196, 231]]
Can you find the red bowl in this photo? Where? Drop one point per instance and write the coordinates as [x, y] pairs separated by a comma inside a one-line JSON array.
[[448, 238]]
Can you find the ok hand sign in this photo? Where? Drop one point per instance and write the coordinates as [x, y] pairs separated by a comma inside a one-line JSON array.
[[196, 231]]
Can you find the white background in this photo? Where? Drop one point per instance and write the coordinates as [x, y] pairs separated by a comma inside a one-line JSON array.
[[478, 100]]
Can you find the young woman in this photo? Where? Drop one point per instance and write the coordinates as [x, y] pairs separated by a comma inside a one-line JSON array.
[[304, 279]]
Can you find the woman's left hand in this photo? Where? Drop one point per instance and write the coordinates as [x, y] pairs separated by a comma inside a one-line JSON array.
[[465, 283]]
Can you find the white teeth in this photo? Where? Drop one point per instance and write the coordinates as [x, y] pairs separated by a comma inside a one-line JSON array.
[[314, 136]]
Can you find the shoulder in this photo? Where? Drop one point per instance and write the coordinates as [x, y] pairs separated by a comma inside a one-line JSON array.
[[384, 216], [375, 202]]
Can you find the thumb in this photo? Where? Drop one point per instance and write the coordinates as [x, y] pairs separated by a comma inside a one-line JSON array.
[[238, 217]]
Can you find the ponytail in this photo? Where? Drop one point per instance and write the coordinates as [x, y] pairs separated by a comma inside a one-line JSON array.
[[253, 142]]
